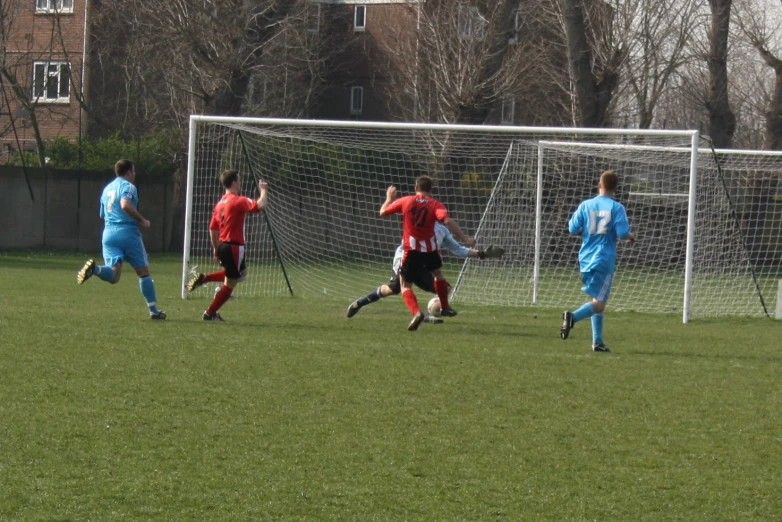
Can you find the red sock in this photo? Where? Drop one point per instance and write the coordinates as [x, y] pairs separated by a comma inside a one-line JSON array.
[[214, 277], [411, 301], [441, 288], [220, 298]]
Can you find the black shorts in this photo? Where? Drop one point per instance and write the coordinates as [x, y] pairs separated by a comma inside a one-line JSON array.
[[423, 280], [231, 257], [416, 266]]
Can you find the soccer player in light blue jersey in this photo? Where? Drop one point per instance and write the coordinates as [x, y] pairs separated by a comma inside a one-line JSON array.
[[423, 280], [600, 221], [122, 237]]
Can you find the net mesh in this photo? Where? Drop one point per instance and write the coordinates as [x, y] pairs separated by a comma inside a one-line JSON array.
[[322, 235]]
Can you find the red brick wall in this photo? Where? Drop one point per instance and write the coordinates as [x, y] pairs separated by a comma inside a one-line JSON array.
[[44, 37]]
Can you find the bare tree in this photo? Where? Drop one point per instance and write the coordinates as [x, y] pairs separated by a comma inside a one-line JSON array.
[[762, 34], [157, 62], [461, 62], [230, 57], [722, 121], [657, 36], [594, 59], [456, 62]]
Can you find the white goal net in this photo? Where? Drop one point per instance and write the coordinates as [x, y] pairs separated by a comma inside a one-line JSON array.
[[512, 187]]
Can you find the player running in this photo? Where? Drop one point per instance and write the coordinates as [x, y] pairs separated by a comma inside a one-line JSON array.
[[122, 237], [600, 221], [226, 230], [423, 279], [419, 213]]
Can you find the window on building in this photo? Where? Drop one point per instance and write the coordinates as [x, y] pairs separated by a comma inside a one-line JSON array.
[[313, 17], [356, 100], [52, 6], [359, 18], [51, 81], [471, 23], [508, 108]]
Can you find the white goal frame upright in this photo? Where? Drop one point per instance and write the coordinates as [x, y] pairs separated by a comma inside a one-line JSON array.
[[688, 262], [545, 137]]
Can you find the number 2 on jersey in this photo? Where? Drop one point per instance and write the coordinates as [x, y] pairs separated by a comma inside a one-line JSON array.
[[599, 221]]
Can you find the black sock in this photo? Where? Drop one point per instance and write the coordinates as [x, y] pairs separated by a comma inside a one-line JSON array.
[[371, 298]]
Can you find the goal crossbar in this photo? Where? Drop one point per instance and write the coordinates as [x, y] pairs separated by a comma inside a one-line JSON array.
[[446, 127]]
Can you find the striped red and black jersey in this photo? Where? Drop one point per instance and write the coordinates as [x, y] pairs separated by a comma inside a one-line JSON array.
[[228, 217], [419, 214]]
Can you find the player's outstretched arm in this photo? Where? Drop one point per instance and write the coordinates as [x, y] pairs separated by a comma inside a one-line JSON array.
[[456, 231], [448, 243], [390, 197]]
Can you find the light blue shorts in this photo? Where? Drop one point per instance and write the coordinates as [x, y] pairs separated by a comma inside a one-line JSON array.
[[597, 284], [124, 244]]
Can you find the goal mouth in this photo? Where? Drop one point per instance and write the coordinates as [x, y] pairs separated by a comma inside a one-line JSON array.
[[513, 187]]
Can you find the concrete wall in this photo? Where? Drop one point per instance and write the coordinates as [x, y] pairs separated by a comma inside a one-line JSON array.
[[65, 212]]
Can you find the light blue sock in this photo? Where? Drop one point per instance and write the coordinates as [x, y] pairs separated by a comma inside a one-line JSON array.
[[586, 310], [104, 272], [147, 287], [597, 328]]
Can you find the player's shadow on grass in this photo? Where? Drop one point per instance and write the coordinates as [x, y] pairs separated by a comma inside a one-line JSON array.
[[277, 325], [41, 262], [499, 329], [744, 356], [399, 327]]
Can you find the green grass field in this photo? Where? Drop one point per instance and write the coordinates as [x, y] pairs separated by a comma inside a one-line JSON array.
[[290, 411]]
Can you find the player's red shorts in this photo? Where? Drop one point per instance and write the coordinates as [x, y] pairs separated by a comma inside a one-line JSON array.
[[231, 256], [414, 263]]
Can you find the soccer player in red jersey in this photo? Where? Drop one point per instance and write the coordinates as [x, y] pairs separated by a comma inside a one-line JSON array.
[[419, 213], [226, 230]]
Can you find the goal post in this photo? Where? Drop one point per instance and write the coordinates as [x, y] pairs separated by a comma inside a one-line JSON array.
[[192, 151], [653, 153], [514, 187]]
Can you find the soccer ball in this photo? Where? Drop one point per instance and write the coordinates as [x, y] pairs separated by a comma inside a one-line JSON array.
[[434, 307]]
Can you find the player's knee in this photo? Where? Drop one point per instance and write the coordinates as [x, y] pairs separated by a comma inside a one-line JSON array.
[[115, 279], [598, 306]]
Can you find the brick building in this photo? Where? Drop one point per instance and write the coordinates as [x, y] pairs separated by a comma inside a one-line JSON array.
[[356, 76], [389, 61], [44, 50], [371, 75]]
